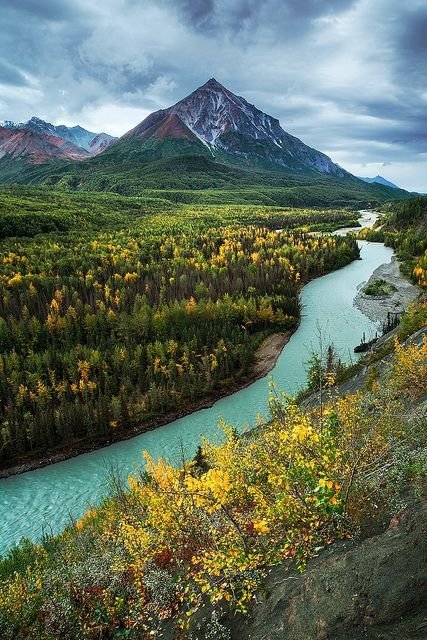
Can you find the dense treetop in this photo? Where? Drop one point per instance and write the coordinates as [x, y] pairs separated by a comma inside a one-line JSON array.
[[125, 309]]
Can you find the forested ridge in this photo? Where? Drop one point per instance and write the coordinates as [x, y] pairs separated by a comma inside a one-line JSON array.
[[197, 179], [124, 309]]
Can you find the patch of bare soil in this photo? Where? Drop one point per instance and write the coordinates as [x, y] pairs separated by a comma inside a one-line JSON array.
[[268, 352]]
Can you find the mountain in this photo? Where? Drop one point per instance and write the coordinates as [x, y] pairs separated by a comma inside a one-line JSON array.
[[37, 148], [99, 143], [214, 122], [91, 142], [380, 180], [212, 146]]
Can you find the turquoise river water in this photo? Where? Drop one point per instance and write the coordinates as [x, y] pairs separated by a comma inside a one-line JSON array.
[[45, 500]]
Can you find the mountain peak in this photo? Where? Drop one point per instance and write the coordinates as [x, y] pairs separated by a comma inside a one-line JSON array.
[[212, 83], [37, 147], [380, 180], [36, 120], [230, 129], [79, 138]]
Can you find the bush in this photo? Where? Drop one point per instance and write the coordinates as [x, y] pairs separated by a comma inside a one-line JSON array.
[[379, 287], [184, 538]]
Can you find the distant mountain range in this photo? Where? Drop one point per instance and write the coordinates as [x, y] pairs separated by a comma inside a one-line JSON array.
[[41, 141], [380, 180], [36, 148], [212, 139]]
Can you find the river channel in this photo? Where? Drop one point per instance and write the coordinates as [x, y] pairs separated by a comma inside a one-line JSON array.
[[45, 500]]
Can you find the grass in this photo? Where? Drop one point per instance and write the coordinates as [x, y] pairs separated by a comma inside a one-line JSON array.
[[379, 287]]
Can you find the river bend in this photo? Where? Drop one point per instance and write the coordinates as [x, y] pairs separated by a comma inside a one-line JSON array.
[[45, 500]]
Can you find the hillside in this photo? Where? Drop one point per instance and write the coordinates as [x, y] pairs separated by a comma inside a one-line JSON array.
[[338, 598], [86, 140], [313, 526], [211, 140], [197, 179]]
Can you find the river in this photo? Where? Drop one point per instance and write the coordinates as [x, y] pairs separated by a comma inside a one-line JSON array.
[[45, 500]]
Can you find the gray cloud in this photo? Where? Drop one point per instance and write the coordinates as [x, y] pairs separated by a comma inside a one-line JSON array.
[[414, 38], [347, 76], [49, 10], [10, 75], [249, 16]]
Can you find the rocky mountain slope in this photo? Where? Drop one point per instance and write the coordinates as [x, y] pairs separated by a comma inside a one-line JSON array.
[[214, 121], [37, 148], [99, 143], [86, 140]]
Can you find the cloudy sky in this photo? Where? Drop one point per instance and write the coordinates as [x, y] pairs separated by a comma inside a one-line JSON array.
[[348, 77]]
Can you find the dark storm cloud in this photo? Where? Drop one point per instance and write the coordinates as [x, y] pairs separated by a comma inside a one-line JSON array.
[[51, 10], [35, 35], [347, 76], [198, 12], [248, 15], [414, 37]]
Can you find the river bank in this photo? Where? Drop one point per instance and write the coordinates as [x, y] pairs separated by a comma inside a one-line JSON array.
[[265, 359], [376, 308], [43, 500]]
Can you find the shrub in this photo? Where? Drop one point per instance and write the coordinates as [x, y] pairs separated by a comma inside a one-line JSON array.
[[379, 287]]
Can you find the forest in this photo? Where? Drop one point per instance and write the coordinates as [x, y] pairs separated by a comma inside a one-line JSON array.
[[180, 545], [404, 228], [115, 310]]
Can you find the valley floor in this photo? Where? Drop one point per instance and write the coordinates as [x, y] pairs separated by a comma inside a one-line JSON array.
[[268, 352]]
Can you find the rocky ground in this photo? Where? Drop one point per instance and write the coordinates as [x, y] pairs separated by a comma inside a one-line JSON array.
[[377, 307], [372, 588], [375, 589]]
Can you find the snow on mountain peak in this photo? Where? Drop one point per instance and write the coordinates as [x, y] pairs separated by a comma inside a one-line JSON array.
[[226, 122], [212, 110], [86, 140]]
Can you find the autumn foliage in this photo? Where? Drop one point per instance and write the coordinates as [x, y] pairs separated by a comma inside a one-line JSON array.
[[105, 328], [178, 537]]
